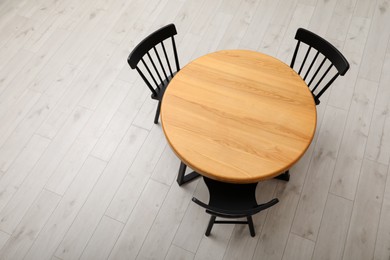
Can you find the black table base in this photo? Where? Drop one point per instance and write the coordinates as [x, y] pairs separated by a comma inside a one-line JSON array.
[[184, 178]]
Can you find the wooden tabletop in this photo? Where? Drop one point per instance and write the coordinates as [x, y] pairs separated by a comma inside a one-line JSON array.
[[238, 116]]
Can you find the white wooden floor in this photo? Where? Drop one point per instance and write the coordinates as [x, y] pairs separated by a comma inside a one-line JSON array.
[[85, 174]]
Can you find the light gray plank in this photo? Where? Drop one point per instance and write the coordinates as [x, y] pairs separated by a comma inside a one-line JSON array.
[[277, 28], [322, 16], [20, 83], [73, 93], [104, 238], [259, 24], [32, 186], [83, 41], [177, 253], [120, 122], [382, 250], [145, 116], [167, 222], [360, 243], [167, 14], [86, 38], [300, 18], [10, 28], [377, 41], [384, 91], [3, 239], [55, 72], [84, 143], [237, 27], [137, 176], [38, 113], [365, 8], [30, 226], [19, 170], [216, 30], [27, 127], [140, 221], [77, 12], [351, 153], [13, 68], [105, 17], [214, 246], [193, 225], [30, 9], [104, 81], [340, 20], [205, 14], [23, 132], [8, 10], [298, 248], [16, 40], [378, 142], [121, 27], [313, 198], [276, 229], [308, 2], [186, 16], [334, 227], [17, 113], [42, 33], [63, 216], [89, 216], [343, 88], [167, 167], [142, 15]]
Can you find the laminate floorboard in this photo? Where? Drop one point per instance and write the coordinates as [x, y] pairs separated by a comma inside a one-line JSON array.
[[85, 174]]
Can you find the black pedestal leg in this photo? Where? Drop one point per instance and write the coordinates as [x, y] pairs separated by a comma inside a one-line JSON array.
[[284, 176], [182, 178]]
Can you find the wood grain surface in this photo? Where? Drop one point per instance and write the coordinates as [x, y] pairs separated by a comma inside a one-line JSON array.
[[238, 116]]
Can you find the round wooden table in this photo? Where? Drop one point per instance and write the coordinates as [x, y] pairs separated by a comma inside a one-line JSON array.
[[238, 116]]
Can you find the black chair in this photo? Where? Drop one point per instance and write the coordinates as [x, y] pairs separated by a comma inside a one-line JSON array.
[[329, 55], [157, 71], [232, 201], [315, 72]]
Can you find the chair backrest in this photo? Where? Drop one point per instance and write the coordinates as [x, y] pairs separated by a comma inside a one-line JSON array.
[[230, 200], [315, 67], [231, 197], [157, 69]]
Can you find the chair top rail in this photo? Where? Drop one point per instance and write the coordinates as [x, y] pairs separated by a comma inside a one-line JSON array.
[[149, 42], [326, 48]]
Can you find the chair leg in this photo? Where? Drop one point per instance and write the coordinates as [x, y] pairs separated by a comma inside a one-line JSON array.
[[251, 227], [157, 112], [210, 226]]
